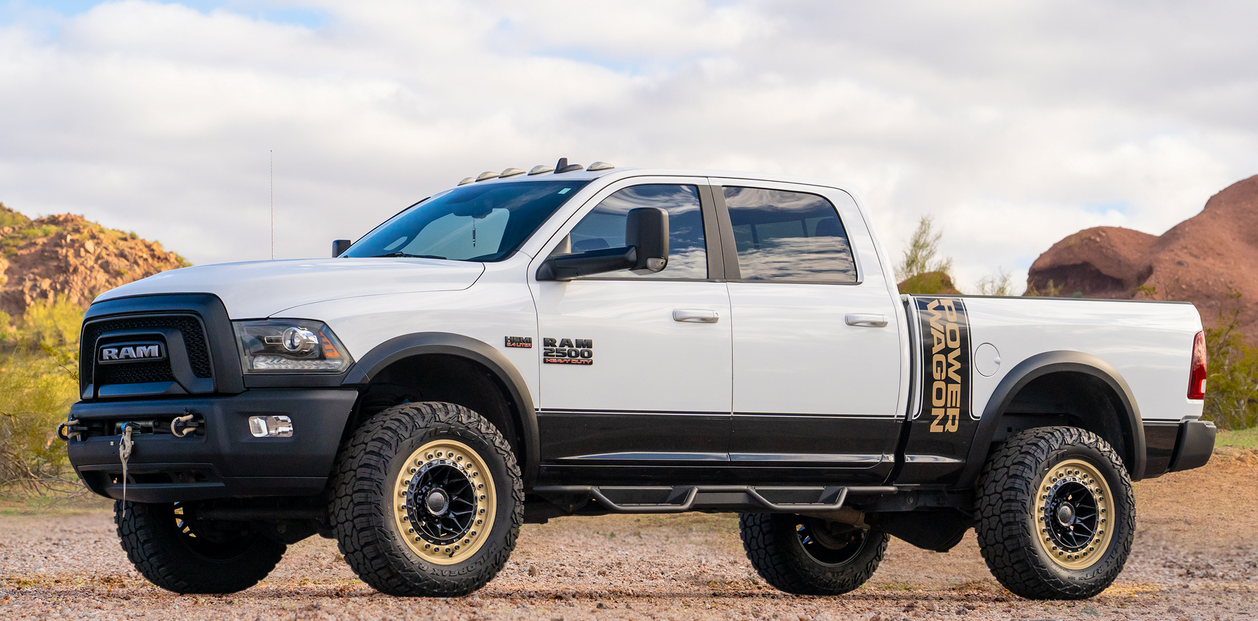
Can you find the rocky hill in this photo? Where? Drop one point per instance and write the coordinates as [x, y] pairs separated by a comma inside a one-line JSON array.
[[1197, 260], [67, 254]]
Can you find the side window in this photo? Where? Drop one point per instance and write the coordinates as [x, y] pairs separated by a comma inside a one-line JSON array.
[[788, 236], [604, 227]]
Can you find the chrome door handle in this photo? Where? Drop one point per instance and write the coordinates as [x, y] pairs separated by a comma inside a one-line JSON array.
[[866, 321], [696, 316]]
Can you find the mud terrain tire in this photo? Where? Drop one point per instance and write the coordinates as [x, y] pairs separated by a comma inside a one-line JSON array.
[[168, 552], [1036, 494], [401, 501], [790, 556]]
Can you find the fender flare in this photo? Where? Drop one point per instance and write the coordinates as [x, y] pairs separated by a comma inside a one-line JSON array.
[[1038, 366], [418, 344]]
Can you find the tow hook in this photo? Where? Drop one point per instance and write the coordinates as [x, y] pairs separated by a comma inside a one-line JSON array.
[[70, 429], [184, 425]]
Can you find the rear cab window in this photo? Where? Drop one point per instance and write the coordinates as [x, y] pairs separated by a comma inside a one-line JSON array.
[[789, 236]]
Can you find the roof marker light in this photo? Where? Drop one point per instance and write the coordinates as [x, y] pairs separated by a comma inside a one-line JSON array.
[[600, 166], [467, 180], [510, 172], [487, 175], [541, 169]]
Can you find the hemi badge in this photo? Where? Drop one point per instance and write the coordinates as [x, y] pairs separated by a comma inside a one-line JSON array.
[[520, 341]]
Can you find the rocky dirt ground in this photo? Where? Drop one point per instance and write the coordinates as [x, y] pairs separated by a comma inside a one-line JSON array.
[[1196, 557]]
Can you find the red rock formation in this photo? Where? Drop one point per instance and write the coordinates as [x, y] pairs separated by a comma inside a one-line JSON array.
[[67, 254], [1197, 260]]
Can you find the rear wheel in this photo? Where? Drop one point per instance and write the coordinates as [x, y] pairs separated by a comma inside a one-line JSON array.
[[178, 553], [1056, 514], [810, 556], [428, 501]]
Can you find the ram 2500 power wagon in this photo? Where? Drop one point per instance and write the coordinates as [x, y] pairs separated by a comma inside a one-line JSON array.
[[580, 342]]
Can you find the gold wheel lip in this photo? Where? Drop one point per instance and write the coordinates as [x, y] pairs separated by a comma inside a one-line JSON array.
[[1075, 470], [486, 503]]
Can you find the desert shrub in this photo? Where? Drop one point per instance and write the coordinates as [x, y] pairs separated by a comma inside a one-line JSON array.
[[1232, 382], [1000, 283], [38, 383], [919, 258], [1050, 290], [920, 271]]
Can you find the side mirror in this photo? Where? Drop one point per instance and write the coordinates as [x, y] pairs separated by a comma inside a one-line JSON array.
[[339, 246], [646, 229], [646, 236]]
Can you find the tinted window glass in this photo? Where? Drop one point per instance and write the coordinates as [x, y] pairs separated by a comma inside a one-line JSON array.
[[468, 223], [604, 227], [788, 236]]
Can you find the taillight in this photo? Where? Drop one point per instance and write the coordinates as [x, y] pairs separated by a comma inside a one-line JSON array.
[[1197, 377]]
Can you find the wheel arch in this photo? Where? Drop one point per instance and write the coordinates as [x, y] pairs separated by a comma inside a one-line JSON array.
[[510, 381], [1068, 367]]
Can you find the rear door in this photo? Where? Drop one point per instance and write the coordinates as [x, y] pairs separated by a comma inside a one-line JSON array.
[[636, 369], [815, 338]]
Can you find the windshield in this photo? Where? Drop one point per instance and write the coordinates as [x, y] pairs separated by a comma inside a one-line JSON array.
[[469, 223]]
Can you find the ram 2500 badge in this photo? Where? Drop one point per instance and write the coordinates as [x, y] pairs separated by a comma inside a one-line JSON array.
[[587, 341]]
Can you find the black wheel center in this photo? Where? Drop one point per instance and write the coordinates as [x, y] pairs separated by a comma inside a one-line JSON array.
[[441, 502], [1071, 516], [828, 543]]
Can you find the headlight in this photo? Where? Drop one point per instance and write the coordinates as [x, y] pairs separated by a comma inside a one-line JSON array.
[[289, 346]]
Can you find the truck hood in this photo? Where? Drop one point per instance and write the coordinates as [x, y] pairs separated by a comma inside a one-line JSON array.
[[258, 289]]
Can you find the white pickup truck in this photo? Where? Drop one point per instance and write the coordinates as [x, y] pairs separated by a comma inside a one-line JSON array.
[[602, 340]]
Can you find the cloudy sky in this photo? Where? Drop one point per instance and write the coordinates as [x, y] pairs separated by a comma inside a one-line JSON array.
[[1013, 123]]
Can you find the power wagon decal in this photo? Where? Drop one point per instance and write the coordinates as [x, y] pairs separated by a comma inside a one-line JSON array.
[[946, 381]]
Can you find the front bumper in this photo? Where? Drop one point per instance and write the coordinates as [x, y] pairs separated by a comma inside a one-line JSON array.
[[224, 460]]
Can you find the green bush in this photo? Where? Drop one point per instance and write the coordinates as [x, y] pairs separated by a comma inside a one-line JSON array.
[[38, 383], [1232, 380]]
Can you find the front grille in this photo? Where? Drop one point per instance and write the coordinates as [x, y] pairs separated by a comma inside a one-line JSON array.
[[158, 371]]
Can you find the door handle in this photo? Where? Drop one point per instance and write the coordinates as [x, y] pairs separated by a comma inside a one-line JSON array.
[[862, 320], [696, 316]]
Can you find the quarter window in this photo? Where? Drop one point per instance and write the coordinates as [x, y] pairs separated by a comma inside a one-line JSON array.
[[604, 227], [790, 236]]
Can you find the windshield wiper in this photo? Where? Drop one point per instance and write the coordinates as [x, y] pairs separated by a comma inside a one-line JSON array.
[[407, 256]]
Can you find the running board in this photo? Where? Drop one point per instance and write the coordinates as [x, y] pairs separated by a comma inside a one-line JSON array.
[[681, 498]]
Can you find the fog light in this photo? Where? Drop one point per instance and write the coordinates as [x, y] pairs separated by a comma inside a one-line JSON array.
[[271, 426]]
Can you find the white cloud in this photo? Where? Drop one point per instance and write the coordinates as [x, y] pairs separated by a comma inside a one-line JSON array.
[[1014, 124]]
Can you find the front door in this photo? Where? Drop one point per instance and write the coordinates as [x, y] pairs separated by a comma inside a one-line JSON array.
[[816, 341], [636, 368]]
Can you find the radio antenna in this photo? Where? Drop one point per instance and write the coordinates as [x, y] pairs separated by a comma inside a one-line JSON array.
[[272, 204]]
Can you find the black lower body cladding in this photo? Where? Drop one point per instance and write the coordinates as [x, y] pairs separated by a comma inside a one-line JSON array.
[[1195, 445], [223, 459]]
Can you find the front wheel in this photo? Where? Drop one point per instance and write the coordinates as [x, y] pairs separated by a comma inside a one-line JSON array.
[[1056, 514], [428, 501], [178, 553], [810, 556]]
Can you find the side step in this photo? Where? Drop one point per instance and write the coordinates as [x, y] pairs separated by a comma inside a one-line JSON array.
[[681, 498]]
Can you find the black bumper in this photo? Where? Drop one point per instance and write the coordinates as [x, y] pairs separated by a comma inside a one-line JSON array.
[[1194, 446], [225, 460]]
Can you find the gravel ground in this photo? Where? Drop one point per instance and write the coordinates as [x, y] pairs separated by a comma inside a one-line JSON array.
[[1196, 557]]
